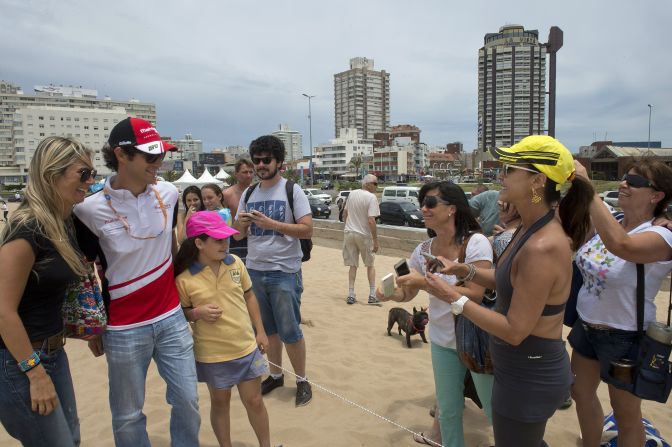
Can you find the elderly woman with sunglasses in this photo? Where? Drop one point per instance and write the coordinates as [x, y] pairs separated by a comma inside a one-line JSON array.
[[449, 219], [38, 259], [532, 279], [606, 303]]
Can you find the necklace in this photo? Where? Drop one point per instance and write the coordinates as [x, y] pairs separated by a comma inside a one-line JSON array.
[[124, 221]]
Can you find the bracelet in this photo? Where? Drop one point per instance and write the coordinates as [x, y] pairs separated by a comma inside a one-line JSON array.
[[469, 276], [30, 363]]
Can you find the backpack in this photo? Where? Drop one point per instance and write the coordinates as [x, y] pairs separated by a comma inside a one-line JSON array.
[[306, 244]]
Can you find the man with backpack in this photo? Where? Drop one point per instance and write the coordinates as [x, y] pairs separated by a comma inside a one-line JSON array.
[[274, 223]]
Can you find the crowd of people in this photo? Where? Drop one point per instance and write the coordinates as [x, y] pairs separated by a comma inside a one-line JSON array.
[[168, 274]]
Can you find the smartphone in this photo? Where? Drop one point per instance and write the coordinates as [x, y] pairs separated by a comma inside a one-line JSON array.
[[388, 285], [433, 263], [401, 268]]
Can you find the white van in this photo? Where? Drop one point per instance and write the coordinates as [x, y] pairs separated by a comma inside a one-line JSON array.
[[401, 194]]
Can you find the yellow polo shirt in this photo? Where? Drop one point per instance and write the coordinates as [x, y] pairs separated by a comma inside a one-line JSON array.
[[232, 336]]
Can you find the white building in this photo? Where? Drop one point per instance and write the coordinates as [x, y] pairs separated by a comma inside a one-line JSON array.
[[511, 87], [12, 98], [334, 158], [292, 140], [189, 147], [394, 163], [362, 99], [32, 124]]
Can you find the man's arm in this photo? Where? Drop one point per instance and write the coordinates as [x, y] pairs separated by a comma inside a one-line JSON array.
[[374, 233]]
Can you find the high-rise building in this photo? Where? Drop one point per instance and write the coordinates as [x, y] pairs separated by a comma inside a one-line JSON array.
[[511, 87], [292, 140], [13, 166], [189, 147], [362, 99]]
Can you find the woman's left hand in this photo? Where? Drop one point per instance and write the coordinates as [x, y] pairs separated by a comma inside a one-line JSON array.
[[580, 170], [413, 279], [440, 288]]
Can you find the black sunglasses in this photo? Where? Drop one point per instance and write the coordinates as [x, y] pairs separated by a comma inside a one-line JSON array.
[[264, 160], [149, 158], [637, 181], [86, 174], [430, 202]]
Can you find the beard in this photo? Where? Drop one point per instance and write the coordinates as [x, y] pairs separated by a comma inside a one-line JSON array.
[[267, 173]]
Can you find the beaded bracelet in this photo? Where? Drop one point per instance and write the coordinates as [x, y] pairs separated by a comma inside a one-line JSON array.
[[469, 276], [30, 363]]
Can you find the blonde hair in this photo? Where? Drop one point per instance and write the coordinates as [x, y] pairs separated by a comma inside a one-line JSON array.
[[43, 204]]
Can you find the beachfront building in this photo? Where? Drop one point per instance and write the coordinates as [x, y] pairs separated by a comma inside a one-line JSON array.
[[362, 99], [607, 160], [334, 158], [394, 163], [32, 124], [511, 87], [189, 148], [13, 165], [293, 141]]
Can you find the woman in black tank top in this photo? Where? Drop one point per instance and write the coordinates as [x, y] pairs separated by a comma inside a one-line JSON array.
[[532, 279]]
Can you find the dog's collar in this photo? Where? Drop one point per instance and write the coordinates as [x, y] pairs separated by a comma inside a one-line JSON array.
[[410, 322]]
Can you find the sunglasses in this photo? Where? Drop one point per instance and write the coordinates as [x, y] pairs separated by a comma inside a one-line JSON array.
[[86, 174], [264, 160], [637, 181], [430, 202], [149, 158], [508, 167]]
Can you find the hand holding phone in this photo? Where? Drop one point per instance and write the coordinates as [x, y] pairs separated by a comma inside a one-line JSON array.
[[433, 263], [401, 268]]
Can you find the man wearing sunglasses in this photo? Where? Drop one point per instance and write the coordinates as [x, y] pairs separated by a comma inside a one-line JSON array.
[[274, 255], [360, 236], [128, 226]]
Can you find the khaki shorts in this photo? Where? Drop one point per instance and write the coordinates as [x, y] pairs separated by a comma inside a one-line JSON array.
[[354, 245]]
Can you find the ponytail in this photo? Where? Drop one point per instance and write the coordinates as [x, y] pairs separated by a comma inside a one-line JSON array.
[[574, 211]]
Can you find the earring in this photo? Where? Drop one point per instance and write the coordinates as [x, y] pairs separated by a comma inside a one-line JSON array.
[[536, 198]]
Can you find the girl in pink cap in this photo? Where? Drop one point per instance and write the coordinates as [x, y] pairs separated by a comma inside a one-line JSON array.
[[216, 295]]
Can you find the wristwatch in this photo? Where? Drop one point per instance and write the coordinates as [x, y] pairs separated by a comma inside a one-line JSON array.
[[458, 306]]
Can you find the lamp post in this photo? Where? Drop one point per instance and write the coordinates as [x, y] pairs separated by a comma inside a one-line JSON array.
[[648, 142], [310, 137]]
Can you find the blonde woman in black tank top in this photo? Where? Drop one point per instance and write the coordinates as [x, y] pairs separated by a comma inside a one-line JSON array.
[[532, 278]]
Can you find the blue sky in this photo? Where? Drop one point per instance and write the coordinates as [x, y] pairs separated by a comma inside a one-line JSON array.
[[229, 71]]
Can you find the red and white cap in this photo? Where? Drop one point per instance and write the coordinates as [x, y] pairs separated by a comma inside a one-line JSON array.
[[140, 134]]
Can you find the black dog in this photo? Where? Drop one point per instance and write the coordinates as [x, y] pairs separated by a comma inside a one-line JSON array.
[[411, 324]]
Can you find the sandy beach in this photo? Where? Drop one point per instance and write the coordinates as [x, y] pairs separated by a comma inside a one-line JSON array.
[[349, 354]]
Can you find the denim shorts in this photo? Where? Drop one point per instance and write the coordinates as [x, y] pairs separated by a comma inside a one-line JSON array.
[[279, 297], [224, 375], [605, 346]]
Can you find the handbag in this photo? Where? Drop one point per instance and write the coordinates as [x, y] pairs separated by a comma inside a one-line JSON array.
[[571, 314], [472, 342], [83, 311], [653, 370]]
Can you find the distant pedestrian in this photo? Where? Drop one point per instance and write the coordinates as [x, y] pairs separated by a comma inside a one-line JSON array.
[[483, 205], [360, 235], [273, 230], [5, 210], [244, 174]]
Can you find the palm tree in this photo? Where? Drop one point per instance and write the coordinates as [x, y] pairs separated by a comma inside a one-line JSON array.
[[356, 162]]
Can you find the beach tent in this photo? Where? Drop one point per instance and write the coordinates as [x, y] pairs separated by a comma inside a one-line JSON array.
[[206, 178], [222, 175], [186, 180]]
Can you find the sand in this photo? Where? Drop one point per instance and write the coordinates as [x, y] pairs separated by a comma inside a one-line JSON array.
[[349, 354]]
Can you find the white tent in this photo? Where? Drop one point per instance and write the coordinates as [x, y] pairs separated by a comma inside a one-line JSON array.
[[222, 175], [206, 178], [186, 180]]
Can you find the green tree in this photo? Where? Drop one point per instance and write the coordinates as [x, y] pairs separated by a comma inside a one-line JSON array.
[[356, 162]]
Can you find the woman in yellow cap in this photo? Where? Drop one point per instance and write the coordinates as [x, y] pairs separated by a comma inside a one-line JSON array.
[[532, 278]]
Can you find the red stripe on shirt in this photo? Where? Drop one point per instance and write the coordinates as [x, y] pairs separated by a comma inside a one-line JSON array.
[[125, 283], [146, 303]]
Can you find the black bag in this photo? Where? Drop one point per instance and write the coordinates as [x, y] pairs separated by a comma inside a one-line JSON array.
[[653, 370], [306, 244], [571, 314], [472, 342]]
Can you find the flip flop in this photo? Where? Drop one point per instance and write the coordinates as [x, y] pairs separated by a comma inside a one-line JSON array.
[[423, 440]]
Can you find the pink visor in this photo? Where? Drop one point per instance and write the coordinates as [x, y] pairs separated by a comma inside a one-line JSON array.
[[210, 223]]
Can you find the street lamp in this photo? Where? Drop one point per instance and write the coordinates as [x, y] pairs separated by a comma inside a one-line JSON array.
[[310, 137], [648, 142]]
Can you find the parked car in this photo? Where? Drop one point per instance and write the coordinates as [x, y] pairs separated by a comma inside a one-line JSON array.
[[610, 197], [401, 194], [401, 213], [314, 192], [15, 198], [319, 208], [341, 198], [327, 185]]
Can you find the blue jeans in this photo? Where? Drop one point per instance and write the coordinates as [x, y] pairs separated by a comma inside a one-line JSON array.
[[128, 353], [279, 297], [60, 427], [449, 382]]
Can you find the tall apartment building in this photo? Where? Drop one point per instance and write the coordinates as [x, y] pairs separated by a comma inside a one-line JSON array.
[[362, 99], [511, 87], [13, 99], [292, 140], [189, 147]]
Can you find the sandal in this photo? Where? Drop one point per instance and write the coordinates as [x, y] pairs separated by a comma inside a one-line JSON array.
[[424, 440]]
